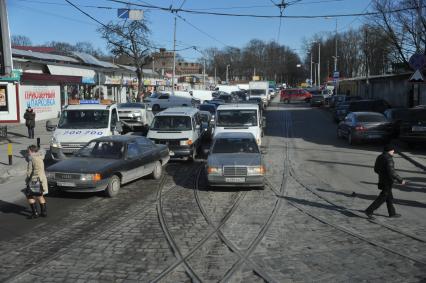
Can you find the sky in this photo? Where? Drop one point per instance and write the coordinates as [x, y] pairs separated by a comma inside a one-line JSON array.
[[56, 20]]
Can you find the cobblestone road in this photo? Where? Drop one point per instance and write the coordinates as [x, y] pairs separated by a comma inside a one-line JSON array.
[[178, 230]]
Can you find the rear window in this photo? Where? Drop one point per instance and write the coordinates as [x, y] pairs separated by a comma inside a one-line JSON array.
[[171, 123], [370, 118], [235, 145]]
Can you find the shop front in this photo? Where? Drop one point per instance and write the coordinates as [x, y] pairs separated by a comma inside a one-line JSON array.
[[9, 98]]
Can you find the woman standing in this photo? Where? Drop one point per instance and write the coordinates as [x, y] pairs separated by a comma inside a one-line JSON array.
[[35, 171], [29, 117]]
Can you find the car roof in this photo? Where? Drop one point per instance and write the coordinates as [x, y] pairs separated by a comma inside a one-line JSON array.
[[184, 111], [237, 135], [237, 106], [119, 138], [88, 106]]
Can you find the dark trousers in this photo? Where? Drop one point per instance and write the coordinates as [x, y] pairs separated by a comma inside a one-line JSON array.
[[30, 132], [384, 196]]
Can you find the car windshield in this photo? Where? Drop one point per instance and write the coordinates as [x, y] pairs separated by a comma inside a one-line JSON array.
[[235, 145], [102, 149], [257, 92], [154, 95], [171, 123], [370, 118], [84, 119], [209, 108], [237, 118], [131, 105]]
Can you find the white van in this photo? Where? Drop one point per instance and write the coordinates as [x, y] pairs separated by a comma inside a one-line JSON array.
[[81, 123], [164, 100], [180, 129], [260, 89], [239, 118]]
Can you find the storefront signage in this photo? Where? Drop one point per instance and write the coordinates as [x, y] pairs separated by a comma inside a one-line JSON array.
[[14, 76], [112, 80], [45, 100], [87, 80]]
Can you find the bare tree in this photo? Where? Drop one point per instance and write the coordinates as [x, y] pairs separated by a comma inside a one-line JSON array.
[[20, 40], [130, 39]]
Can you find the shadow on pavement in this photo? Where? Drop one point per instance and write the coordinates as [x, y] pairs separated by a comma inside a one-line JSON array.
[[7, 207]]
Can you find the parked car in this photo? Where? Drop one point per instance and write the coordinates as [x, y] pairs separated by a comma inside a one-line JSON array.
[[340, 111], [369, 105], [409, 125], [160, 101], [134, 116], [106, 163], [295, 94], [317, 100], [235, 160], [335, 100], [364, 126]]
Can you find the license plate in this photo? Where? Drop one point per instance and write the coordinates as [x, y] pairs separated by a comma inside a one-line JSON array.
[[65, 184], [235, 180], [171, 153], [418, 129]]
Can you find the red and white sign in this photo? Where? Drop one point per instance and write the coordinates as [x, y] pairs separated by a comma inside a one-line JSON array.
[[45, 100]]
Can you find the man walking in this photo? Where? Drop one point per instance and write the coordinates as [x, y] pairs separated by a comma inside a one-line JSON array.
[[384, 166]]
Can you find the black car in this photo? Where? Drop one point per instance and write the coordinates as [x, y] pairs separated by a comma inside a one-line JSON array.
[[409, 125], [210, 107], [364, 126], [367, 105], [104, 164], [340, 111], [317, 100], [335, 100], [227, 98]]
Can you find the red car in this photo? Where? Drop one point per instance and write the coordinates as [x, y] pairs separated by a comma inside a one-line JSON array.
[[295, 94]]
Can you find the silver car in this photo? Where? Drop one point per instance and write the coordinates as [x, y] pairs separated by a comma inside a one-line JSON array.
[[235, 160]]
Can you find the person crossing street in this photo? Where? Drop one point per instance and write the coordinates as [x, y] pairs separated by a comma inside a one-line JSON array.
[[385, 168]]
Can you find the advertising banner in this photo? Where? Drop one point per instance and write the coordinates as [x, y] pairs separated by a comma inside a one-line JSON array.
[[3, 96], [45, 100]]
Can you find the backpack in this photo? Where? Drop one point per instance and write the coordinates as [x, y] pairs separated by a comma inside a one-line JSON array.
[[378, 165]]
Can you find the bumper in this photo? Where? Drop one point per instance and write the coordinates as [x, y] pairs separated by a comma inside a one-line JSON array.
[[132, 124], [249, 181], [79, 186], [370, 136], [180, 151]]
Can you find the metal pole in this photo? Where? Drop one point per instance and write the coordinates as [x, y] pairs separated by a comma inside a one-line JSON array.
[[311, 69], [204, 73], [335, 57], [215, 77], [5, 48], [174, 59], [319, 63], [315, 73], [227, 76]]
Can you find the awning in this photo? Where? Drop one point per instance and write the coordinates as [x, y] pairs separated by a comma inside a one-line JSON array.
[[28, 77], [88, 76]]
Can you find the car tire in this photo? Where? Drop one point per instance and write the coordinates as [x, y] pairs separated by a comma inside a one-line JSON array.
[[158, 171], [156, 107], [113, 186], [351, 139]]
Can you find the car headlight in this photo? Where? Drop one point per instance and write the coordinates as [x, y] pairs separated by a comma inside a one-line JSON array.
[[256, 170], [214, 170], [138, 118], [50, 175], [185, 142], [90, 177], [54, 142]]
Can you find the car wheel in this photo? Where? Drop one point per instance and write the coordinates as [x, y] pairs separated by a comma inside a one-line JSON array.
[[113, 186], [350, 139], [156, 107], [158, 171]]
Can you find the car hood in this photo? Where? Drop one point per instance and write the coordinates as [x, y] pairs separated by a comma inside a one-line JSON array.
[[79, 136], [227, 159], [82, 165]]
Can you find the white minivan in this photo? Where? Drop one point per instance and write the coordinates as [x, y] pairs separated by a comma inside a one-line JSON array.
[[180, 129], [164, 100], [240, 118]]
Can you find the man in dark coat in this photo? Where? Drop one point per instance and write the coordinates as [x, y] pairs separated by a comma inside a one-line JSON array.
[[29, 117], [384, 166]]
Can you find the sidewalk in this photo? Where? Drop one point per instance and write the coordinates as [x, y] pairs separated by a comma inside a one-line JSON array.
[[18, 136]]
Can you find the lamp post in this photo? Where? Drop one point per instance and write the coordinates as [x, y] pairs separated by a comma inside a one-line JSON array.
[[319, 63], [227, 71], [310, 82]]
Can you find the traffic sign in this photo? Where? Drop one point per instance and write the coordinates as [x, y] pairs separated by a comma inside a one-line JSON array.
[[417, 61], [336, 75], [136, 15], [417, 77], [123, 13]]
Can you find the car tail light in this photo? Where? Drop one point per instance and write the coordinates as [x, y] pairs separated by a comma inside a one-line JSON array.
[[360, 128]]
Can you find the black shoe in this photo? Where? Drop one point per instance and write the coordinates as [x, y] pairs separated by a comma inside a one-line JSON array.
[[34, 212], [369, 215], [396, 215], [43, 210]]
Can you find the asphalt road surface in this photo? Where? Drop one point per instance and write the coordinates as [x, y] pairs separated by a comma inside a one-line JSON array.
[[306, 225]]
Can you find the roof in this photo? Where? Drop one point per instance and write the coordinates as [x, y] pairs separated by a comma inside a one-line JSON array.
[[43, 56], [188, 111], [92, 60], [88, 106], [235, 135], [237, 106], [119, 138], [43, 49]]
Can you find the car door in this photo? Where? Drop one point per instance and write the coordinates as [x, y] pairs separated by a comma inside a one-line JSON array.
[[346, 125], [134, 167], [164, 100]]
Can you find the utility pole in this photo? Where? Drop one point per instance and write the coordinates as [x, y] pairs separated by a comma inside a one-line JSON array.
[[227, 76], [174, 59], [6, 63], [311, 68], [335, 54], [319, 63], [204, 73], [153, 66], [254, 71]]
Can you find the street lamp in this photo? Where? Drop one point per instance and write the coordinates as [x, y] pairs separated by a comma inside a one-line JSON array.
[[227, 70]]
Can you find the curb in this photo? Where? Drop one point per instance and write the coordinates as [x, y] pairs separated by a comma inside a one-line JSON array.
[[415, 162]]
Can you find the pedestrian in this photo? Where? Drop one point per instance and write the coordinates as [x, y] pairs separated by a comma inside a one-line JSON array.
[[384, 166], [35, 172], [29, 117]]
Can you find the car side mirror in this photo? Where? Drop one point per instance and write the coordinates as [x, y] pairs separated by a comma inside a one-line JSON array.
[[50, 126]]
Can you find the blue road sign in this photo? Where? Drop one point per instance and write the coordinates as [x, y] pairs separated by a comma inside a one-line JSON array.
[[123, 13]]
